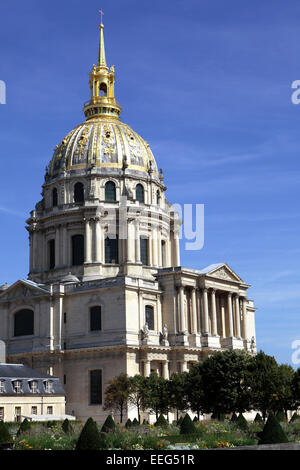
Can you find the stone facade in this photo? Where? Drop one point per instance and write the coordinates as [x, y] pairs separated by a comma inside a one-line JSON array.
[[154, 314]]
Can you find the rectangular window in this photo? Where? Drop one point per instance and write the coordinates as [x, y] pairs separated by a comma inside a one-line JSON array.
[[49, 410], [144, 250], [1, 413], [33, 386], [111, 250], [18, 414], [96, 387], [2, 389], [51, 245], [95, 318], [34, 410], [17, 386]]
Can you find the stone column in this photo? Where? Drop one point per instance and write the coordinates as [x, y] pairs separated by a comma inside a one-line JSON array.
[[205, 311], [168, 253], [31, 253], [184, 366], [98, 241], [182, 313], [177, 250], [199, 302], [165, 370], [147, 367], [214, 330], [137, 243], [230, 318], [194, 312], [88, 244], [237, 316], [159, 249], [153, 239], [245, 326]]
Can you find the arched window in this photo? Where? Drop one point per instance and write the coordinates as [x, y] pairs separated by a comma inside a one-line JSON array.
[[77, 250], [111, 250], [139, 193], [103, 89], [157, 198], [24, 322], [144, 250], [95, 318], [51, 253], [78, 193], [110, 191], [54, 197], [149, 316]]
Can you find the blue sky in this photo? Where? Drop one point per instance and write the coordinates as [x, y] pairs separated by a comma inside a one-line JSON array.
[[208, 85]]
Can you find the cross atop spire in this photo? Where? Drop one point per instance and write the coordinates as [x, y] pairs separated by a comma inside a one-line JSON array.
[[101, 13], [101, 54]]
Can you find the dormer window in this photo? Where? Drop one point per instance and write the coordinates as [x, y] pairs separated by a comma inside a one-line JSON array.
[[33, 386], [2, 389], [17, 385], [48, 386]]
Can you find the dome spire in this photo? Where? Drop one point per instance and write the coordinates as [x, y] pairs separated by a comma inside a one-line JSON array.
[[101, 53], [102, 81]]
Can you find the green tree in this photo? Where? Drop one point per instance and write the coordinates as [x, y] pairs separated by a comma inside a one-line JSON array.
[[117, 394], [177, 390], [66, 426], [284, 399], [263, 380], [296, 388], [89, 438], [224, 383], [138, 393], [194, 390], [157, 397]]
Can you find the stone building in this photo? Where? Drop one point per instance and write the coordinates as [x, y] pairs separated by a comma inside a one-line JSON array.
[[105, 292]]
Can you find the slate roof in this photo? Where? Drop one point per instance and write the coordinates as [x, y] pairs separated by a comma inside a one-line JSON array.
[[11, 372]]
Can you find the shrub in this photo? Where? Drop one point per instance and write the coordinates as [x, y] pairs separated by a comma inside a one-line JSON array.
[[89, 438], [66, 426], [179, 421], [161, 422], [145, 422], [24, 426], [258, 419], [280, 416], [195, 419], [128, 423], [272, 432], [242, 423], [234, 418], [5, 437], [109, 425], [187, 426], [135, 422], [294, 417]]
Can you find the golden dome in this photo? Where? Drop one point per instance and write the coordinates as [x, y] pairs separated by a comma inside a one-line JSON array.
[[103, 142]]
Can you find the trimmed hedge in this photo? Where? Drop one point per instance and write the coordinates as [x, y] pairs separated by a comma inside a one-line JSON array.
[[89, 438], [187, 426], [109, 425], [161, 422], [272, 432]]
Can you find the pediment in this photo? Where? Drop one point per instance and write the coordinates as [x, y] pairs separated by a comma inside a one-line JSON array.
[[22, 289], [226, 273]]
